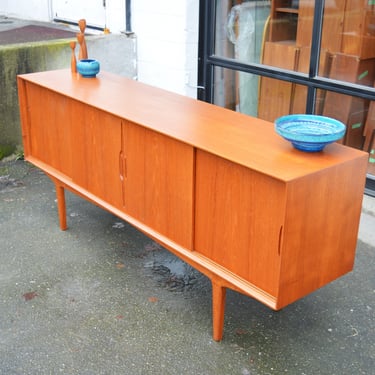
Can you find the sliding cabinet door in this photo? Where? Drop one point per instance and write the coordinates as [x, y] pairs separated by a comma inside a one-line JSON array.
[[47, 130], [159, 182], [96, 145], [239, 220]]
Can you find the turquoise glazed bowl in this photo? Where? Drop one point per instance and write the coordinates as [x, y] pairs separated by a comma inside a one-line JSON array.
[[88, 68], [309, 133]]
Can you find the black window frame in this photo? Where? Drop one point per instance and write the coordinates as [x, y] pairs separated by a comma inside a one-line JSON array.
[[208, 61]]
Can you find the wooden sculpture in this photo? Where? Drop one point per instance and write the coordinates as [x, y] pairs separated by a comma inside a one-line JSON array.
[[73, 60], [81, 40]]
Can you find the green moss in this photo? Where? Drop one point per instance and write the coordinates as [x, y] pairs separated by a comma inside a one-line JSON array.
[[20, 59], [6, 150]]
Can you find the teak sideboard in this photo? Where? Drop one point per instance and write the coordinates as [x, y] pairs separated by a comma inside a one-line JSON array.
[[219, 189]]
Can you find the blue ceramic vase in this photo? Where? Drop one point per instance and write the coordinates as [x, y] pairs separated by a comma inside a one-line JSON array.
[[88, 68]]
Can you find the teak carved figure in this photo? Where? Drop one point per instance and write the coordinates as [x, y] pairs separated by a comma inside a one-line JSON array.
[[73, 59], [81, 40], [229, 196]]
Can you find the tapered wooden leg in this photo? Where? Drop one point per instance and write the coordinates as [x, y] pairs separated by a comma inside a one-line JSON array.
[[218, 308], [60, 193]]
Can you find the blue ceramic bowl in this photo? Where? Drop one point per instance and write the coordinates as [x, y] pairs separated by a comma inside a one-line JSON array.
[[309, 133], [88, 68]]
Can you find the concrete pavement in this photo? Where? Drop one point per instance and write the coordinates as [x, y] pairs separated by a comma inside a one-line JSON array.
[[101, 298]]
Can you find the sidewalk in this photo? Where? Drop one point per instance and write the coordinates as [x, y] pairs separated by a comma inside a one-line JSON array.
[[101, 298]]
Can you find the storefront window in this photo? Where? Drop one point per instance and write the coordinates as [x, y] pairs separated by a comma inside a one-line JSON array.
[[313, 46]]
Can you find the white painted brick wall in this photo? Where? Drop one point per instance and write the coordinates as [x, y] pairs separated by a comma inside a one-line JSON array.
[[167, 40], [115, 15]]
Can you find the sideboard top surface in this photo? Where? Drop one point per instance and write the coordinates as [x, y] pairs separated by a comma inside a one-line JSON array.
[[242, 139]]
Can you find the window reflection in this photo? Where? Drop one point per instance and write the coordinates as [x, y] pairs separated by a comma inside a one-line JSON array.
[[241, 28], [259, 97]]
